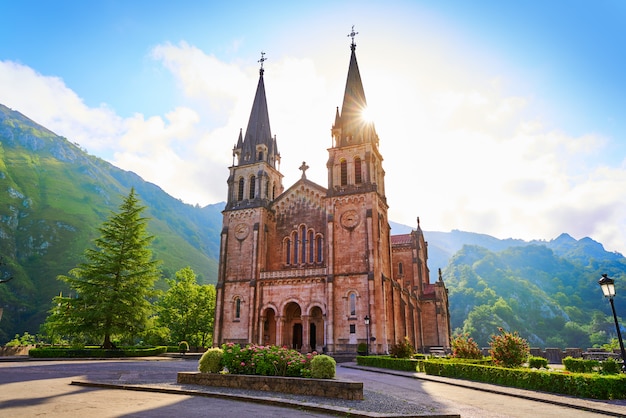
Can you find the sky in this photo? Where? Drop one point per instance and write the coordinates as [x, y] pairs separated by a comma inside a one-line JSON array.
[[497, 117]]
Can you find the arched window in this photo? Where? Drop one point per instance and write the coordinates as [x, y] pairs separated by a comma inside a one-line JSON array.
[[252, 186], [352, 299], [311, 246], [267, 188], [240, 191], [303, 249], [260, 155], [295, 247], [344, 172], [237, 308], [320, 249], [400, 269], [288, 251], [357, 171]]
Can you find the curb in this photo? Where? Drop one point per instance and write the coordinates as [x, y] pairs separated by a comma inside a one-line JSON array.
[[308, 406]]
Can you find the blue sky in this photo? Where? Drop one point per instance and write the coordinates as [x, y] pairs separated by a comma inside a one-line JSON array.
[[503, 118]]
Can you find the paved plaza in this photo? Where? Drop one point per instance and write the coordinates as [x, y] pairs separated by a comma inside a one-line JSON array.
[[147, 388]]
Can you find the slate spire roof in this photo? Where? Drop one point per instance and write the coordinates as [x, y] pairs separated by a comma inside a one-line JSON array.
[[350, 125], [258, 131]]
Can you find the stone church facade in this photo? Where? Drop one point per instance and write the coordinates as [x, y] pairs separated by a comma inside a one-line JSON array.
[[304, 267]]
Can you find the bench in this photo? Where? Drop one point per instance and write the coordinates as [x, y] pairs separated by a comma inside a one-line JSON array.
[[437, 351], [600, 355]]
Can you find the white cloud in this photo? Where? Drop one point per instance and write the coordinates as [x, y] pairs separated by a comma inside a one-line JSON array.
[[49, 102]]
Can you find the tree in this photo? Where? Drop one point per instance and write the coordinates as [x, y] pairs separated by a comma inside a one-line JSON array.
[[481, 323], [187, 308], [112, 287]]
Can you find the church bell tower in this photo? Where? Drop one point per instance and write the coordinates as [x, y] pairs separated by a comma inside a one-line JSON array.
[[360, 257], [253, 184]]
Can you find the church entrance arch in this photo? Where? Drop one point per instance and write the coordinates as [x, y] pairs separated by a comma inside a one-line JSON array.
[[269, 327], [296, 342], [316, 329], [293, 325]]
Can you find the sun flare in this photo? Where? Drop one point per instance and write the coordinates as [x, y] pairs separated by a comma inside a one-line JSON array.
[[366, 115]]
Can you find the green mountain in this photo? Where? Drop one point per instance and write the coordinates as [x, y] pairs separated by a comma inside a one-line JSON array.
[[549, 293], [54, 196]]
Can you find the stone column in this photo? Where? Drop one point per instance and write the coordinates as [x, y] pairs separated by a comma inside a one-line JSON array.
[[306, 339]]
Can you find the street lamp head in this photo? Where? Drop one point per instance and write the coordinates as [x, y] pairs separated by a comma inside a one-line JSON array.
[[608, 286], [367, 319]]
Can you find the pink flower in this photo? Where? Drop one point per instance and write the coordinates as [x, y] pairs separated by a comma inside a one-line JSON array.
[[243, 364]]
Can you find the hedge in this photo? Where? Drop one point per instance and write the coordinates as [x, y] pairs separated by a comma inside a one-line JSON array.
[[386, 362], [581, 385], [60, 352]]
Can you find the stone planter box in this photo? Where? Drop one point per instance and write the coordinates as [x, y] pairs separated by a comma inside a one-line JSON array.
[[21, 350], [329, 388]]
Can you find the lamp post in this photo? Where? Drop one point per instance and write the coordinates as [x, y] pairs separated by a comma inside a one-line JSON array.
[[367, 333], [608, 289]]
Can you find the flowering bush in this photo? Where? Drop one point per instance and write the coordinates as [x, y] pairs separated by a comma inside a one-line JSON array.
[[266, 360], [508, 349], [464, 346], [403, 349]]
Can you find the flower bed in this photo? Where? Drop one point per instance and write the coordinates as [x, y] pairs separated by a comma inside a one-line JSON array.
[[329, 388]]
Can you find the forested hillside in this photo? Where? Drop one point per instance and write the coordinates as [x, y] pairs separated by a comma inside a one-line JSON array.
[[53, 196], [551, 296]]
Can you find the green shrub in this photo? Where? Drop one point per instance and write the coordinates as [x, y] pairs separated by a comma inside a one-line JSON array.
[[25, 340], [60, 352], [537, 362], [361, 348], [386, 362], [578, 365], [464, 346], [323, 367], [610, 366], [211, 360], [594, 386], [403, 349], [508, 349]]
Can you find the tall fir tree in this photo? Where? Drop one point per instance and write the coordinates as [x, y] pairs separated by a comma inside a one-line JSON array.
[[112, 287]]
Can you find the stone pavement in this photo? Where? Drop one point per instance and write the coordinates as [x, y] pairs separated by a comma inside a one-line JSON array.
[[612, 408], [29, 388]]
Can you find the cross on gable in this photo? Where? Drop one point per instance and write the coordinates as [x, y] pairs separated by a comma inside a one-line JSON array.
[[304, 168]]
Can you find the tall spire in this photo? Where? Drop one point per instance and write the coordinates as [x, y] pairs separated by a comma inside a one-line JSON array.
[[351, 127], [258, 143]]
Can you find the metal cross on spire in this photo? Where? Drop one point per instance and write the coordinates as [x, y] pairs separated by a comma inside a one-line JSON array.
[[352, 34], [262, 60]]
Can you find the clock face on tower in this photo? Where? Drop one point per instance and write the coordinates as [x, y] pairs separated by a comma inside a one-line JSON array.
[[350, 219], [241, 231]]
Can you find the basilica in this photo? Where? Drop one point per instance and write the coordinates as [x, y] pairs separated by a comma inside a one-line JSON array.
[[315, 267]]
